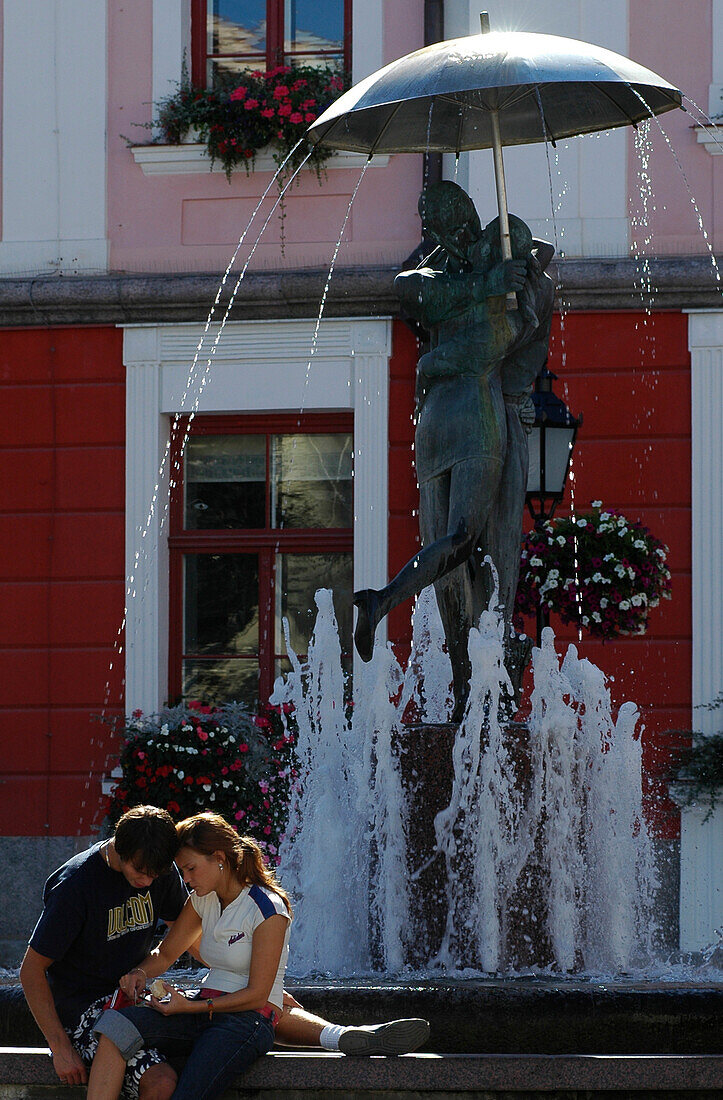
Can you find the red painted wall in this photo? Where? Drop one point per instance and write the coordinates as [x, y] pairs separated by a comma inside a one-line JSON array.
[[61, 569], [629, 375]]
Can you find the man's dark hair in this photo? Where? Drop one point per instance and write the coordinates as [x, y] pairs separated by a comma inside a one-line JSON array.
[[147, 835]]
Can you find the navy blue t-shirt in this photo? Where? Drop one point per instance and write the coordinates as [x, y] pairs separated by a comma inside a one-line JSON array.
[[96, 927]]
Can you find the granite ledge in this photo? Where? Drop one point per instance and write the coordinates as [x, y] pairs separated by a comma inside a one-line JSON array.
[[313, 1071]]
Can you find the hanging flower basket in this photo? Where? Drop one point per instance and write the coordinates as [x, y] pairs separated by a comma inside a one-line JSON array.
[[241, 116], [598, 570]]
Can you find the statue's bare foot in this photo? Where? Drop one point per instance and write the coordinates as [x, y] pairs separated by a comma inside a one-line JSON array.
[[366, 601]]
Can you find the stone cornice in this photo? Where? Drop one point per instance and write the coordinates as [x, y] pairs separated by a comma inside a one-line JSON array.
[[678, 282]]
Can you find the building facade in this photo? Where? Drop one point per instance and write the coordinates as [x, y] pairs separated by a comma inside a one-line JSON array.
[[116, 537]]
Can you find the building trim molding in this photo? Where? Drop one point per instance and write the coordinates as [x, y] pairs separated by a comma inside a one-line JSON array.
[[681, 283], [258, 365]]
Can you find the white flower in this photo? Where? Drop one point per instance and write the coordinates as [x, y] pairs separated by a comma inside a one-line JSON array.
[[621, 521], [597, 577], [609, 557], [620, 570], [639, 544], [206, 786], [561, 540], [603, 602], [596, 616], [622, 532], [193, 751], [535, 561], [631, 573], [164, 729], [604, 515], [225, 782], [624, 605], [660, 552], [597, 504], [585, 620], [581, 522], [181, 775]]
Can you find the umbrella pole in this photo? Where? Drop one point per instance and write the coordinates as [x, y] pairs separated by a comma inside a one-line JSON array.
[[505, 239]]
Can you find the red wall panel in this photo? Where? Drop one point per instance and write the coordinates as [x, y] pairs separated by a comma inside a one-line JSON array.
[[630, 377], [61, 566]]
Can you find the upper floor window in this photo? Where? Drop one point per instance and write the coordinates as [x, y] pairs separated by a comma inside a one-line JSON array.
[[235, 36]]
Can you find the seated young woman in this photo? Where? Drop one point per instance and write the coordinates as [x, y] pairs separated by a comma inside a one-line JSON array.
[[244, 918]]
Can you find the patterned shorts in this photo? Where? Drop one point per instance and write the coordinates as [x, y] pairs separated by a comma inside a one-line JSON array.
[[85, 1041]]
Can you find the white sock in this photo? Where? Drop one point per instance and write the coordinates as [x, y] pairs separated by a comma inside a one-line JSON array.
[[329, 1038]]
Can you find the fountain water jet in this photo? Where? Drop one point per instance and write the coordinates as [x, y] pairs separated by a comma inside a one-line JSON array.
[[547, 857]]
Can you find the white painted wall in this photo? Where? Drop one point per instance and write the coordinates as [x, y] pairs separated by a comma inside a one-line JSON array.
[[259, 366], [589, 180], [54, 137], [701, 856]]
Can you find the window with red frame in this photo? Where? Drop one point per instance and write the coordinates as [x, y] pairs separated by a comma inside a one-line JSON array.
[[261, 517], [234, 36]]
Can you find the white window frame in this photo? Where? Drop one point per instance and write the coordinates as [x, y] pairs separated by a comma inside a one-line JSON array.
[[260, 366]]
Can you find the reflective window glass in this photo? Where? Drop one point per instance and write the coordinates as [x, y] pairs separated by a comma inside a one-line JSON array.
[[223, 681], [225, 482], [237, 32], [314, 27], [298, 576], [311, 481], [221, 604]]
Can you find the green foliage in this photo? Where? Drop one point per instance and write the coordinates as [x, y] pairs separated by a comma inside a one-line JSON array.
[[597, 570], [700, 767], [191, 758]]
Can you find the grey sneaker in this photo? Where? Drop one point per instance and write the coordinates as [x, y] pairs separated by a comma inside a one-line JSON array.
[[396, 1037]]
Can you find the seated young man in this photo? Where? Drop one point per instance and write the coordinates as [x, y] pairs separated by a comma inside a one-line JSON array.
[[101, 910]]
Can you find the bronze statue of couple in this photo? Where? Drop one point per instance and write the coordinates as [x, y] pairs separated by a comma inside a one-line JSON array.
[[472, 417]]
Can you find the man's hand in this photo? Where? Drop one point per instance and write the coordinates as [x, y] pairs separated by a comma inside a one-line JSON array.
[[69, 1066], [507, 276], [133, 985]]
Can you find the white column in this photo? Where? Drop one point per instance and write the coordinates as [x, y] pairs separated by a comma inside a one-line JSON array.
[[171, 45], [54, 107], [146, 636], [588, 174], [715, 90], [370, 383], [367, 36], [701, 887]]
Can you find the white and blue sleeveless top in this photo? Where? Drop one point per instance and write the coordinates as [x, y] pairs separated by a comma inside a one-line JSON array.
[[227, 936]]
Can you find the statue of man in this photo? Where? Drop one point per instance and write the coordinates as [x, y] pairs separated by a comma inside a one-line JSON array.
[[473, 398]]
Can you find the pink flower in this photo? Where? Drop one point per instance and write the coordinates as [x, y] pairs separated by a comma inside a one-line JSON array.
[[240, 814], [296, 117], [309, 116], [281, 91], [285, 110], [251, 104], [263, 786], [300, 83], [243, 748], [239, 93], [268, 112], [202, 735]]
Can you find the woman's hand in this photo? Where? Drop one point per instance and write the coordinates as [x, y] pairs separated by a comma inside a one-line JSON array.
[[176, 1003]]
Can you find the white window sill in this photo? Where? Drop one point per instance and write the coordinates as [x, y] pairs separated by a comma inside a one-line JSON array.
[[711, 137], [167, 160]]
